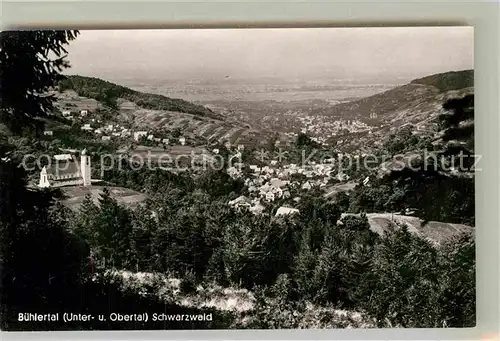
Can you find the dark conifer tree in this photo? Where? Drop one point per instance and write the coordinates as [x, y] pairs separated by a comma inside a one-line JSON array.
[[30, 64]]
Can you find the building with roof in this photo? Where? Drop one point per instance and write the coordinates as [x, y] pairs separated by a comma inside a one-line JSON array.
[[286, 211], [242, 202], [87, 127], [257, 209], [64, 171], [139, 134]]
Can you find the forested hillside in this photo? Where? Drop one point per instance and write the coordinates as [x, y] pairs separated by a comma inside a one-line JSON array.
[[423, 94], [108, 93], [447, 81]]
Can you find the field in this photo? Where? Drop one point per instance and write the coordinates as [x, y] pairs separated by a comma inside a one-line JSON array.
[[125, 196], [69, 100]]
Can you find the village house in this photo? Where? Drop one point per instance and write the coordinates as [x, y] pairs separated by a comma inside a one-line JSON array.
[[84, 112], [270, 196], [278, 183], [257, 208], [87, 127], [139, 134], [268, 170], [307, 185], [342, 177], [48, 133], [106, 138], [240, 203], [286, 211], [182, 140], [66, 113], [234, 172], [366, 181], [255, 168], [252, 189], [66, 171]]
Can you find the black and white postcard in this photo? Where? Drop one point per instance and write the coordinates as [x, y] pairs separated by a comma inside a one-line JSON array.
[[292, 178]]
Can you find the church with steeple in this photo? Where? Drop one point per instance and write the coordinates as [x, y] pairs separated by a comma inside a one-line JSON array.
[[66, 170]]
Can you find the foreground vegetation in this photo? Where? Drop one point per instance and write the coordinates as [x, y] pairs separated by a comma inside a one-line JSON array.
[[289, 263]]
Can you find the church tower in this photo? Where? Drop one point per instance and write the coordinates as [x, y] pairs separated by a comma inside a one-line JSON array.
[[85, 168], [44, 182]]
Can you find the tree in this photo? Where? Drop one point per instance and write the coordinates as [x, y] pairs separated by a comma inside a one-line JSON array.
[[342, 200], [141, 238], [458, 296], [430, 180], [113, 229], [41, 262], [457, 125], [406, 286], [459, 111], [303, 140], [30, 64]]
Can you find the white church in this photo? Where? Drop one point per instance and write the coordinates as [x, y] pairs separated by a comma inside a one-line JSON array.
[[65, 170]]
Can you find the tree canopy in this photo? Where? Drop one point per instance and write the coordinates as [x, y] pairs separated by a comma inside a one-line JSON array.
[[30, 64]]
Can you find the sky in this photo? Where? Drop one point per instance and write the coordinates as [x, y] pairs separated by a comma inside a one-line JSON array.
[[304, 53]]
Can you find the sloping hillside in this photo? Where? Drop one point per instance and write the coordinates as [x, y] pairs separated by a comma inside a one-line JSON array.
[[189, 124], [108, 93], [418, 104], [447, 81], [144, 111], [435, 232], [383, 103], [420, 94]]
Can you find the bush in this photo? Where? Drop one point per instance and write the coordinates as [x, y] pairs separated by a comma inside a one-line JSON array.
[[188, 284]]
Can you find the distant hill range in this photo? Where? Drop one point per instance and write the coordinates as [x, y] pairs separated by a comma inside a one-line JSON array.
[[418, 103], [420, 96]]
